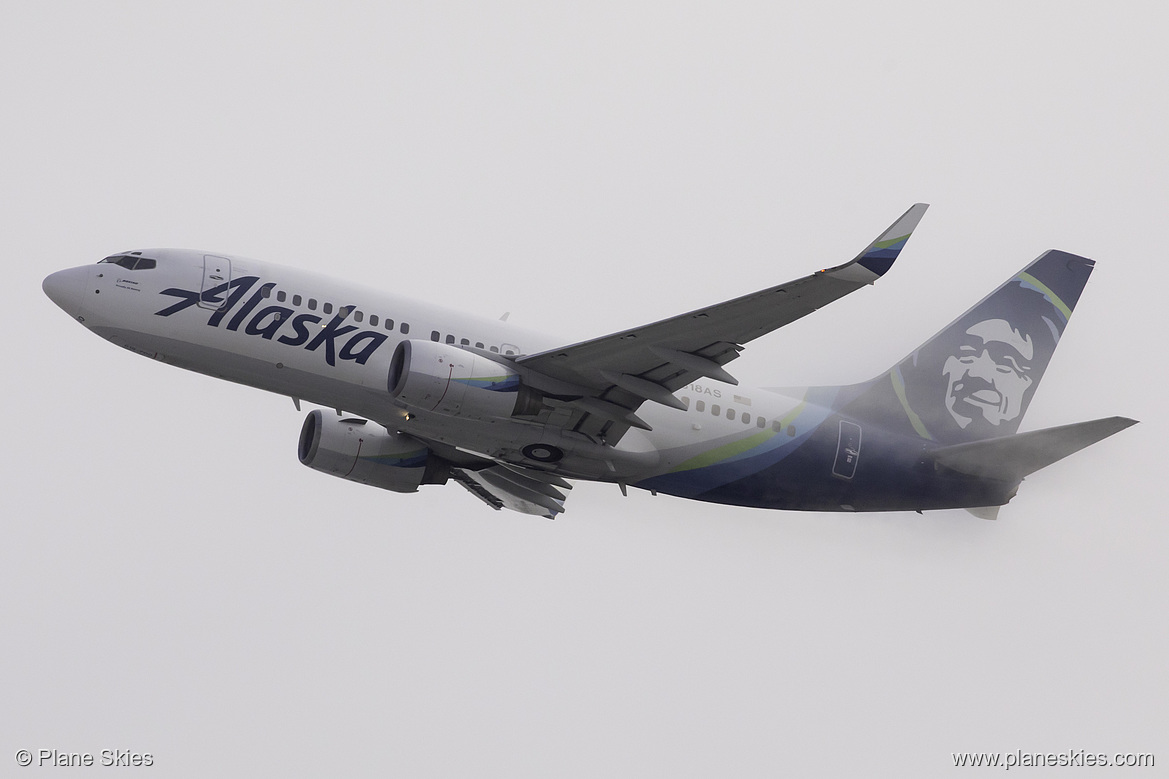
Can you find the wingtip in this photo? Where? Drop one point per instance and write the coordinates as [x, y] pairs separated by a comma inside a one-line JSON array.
[[906, 223], [878, 258]]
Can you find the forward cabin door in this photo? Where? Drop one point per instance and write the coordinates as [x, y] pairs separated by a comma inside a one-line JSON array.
[[216, 277]]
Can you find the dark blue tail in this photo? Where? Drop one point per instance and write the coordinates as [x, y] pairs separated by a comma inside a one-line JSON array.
[[975, 378]]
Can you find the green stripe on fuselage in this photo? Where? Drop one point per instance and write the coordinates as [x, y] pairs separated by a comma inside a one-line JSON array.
[[735, 448], [725, 452]]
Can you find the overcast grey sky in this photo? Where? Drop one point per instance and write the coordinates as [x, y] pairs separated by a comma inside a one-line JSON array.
[[173, 581]]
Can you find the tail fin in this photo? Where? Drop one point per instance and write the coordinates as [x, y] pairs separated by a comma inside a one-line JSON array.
[[975, 378]]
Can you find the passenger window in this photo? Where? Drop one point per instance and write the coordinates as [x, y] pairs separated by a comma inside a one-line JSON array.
[[390, 325], [730, 413], [405, 328], [312, 304], [478, 344], [344, 311], [746, 417], [700, 405], [791, 430], [761, 422], [434, 336], [509, 351], [327, 308], [495, 349], [450, 339], [373, 320], [296, 300], [464, 342], [266, 292], [715, 409], [777, 426], [281, 296], [686, 401], [358, 316]]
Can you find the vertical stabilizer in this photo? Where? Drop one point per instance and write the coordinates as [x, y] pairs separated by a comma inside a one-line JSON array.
[[975, 378]]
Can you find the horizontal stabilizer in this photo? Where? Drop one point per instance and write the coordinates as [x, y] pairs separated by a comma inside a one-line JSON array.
[[1013, 457]]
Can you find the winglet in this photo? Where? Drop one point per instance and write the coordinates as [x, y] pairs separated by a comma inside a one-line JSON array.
[[881, 253], [877, 258]]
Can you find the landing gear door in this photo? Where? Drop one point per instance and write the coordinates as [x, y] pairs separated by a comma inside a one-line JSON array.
[[216, 279], [848, 450]]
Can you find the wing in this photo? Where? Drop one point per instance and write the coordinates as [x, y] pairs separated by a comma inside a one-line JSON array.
[[604, 381]]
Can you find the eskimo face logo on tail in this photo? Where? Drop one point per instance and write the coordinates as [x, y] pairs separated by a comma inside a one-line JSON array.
[[988, 376], [305, 330], [975, 379]]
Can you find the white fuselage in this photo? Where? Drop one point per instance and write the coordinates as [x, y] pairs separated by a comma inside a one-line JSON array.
[[427, 395]]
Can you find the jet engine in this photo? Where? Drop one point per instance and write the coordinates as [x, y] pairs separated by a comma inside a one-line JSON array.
[[365, 452], [444, 379]]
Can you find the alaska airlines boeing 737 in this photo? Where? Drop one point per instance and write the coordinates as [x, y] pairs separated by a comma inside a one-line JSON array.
[[426, 395]]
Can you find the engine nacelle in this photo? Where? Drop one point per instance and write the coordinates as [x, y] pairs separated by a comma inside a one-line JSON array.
[[445, 379], [366, 452]]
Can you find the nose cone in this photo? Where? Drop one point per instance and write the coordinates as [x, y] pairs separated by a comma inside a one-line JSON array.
[[65, 288]]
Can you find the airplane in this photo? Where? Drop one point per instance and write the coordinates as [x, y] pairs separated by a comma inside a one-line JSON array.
[[425, 395]]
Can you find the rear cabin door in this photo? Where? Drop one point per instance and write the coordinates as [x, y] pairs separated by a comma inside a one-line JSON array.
[[216, 277], [848, 450]]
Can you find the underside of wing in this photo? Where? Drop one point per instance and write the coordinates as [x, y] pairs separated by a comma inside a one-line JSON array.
[[599, 384]]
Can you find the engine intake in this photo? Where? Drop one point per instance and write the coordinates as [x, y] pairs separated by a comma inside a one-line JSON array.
[[365, 452]]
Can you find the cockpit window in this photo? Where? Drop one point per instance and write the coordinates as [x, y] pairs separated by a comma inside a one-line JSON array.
[[131, 261]]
